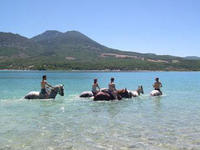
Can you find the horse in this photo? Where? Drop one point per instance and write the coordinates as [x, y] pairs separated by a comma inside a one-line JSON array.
[[156, 93], [124, 93], [58, 89], [88, 94], [137, 92], [105, 95]]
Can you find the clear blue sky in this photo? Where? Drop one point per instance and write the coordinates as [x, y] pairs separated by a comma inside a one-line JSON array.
[[149, 26]]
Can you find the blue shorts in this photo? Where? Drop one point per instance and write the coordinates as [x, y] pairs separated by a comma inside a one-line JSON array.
[[43, 92]]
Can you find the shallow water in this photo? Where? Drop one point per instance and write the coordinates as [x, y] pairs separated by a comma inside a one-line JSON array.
[[168, 122]]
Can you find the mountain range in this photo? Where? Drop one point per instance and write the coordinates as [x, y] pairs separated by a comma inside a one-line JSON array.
[[72, 50]]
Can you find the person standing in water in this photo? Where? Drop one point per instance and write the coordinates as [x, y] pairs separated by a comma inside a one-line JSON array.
[[94, 87], [44, 85], [112, 89], [157, 85]]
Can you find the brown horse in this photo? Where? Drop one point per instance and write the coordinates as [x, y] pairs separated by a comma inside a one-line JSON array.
[[107, 96], [103, 96], [124, 93]]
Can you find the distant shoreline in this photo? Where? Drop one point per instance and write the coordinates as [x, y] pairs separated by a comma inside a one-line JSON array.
[[99, 70]]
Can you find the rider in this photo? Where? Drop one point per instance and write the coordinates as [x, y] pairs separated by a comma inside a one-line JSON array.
[[95, 86], [157, 85], [111, 88], [44, 84]]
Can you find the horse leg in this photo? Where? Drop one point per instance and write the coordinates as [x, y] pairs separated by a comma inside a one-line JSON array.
[[160, 92], [112, 95], [119, 97]]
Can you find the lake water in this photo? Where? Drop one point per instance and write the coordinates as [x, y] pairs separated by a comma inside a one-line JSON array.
[[168, 122]]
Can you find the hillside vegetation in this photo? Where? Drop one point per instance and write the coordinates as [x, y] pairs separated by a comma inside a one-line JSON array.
[[73, 50]]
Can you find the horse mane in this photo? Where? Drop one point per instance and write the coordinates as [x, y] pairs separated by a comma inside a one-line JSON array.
[[58, 85]]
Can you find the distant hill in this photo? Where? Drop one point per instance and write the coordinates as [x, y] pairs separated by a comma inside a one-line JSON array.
[[14, 45], [192, 58], [73, 50]]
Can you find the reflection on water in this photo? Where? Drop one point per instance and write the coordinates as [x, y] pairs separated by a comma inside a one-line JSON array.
[[157, 102]]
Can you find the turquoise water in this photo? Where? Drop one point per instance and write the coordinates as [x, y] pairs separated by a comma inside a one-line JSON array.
[[168, 122]]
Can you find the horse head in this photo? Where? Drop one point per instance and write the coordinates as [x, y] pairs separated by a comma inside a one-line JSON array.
[[59, 89], [140, 90]]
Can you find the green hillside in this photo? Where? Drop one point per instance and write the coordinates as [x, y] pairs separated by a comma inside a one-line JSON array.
[[73, 50]]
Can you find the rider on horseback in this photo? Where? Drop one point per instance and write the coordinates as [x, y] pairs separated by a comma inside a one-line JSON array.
[[44, 85], [94, 87], [157, 85], [111, 88]]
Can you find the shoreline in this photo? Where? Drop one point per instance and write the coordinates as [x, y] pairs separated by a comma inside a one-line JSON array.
[[93, 71]]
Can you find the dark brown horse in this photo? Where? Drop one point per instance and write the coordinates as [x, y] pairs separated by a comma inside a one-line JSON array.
[[124, 93], [107, 96]]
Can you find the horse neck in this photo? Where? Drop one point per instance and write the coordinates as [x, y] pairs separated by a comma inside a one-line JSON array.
[[138, 91], [53, 93], [119, 91]]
